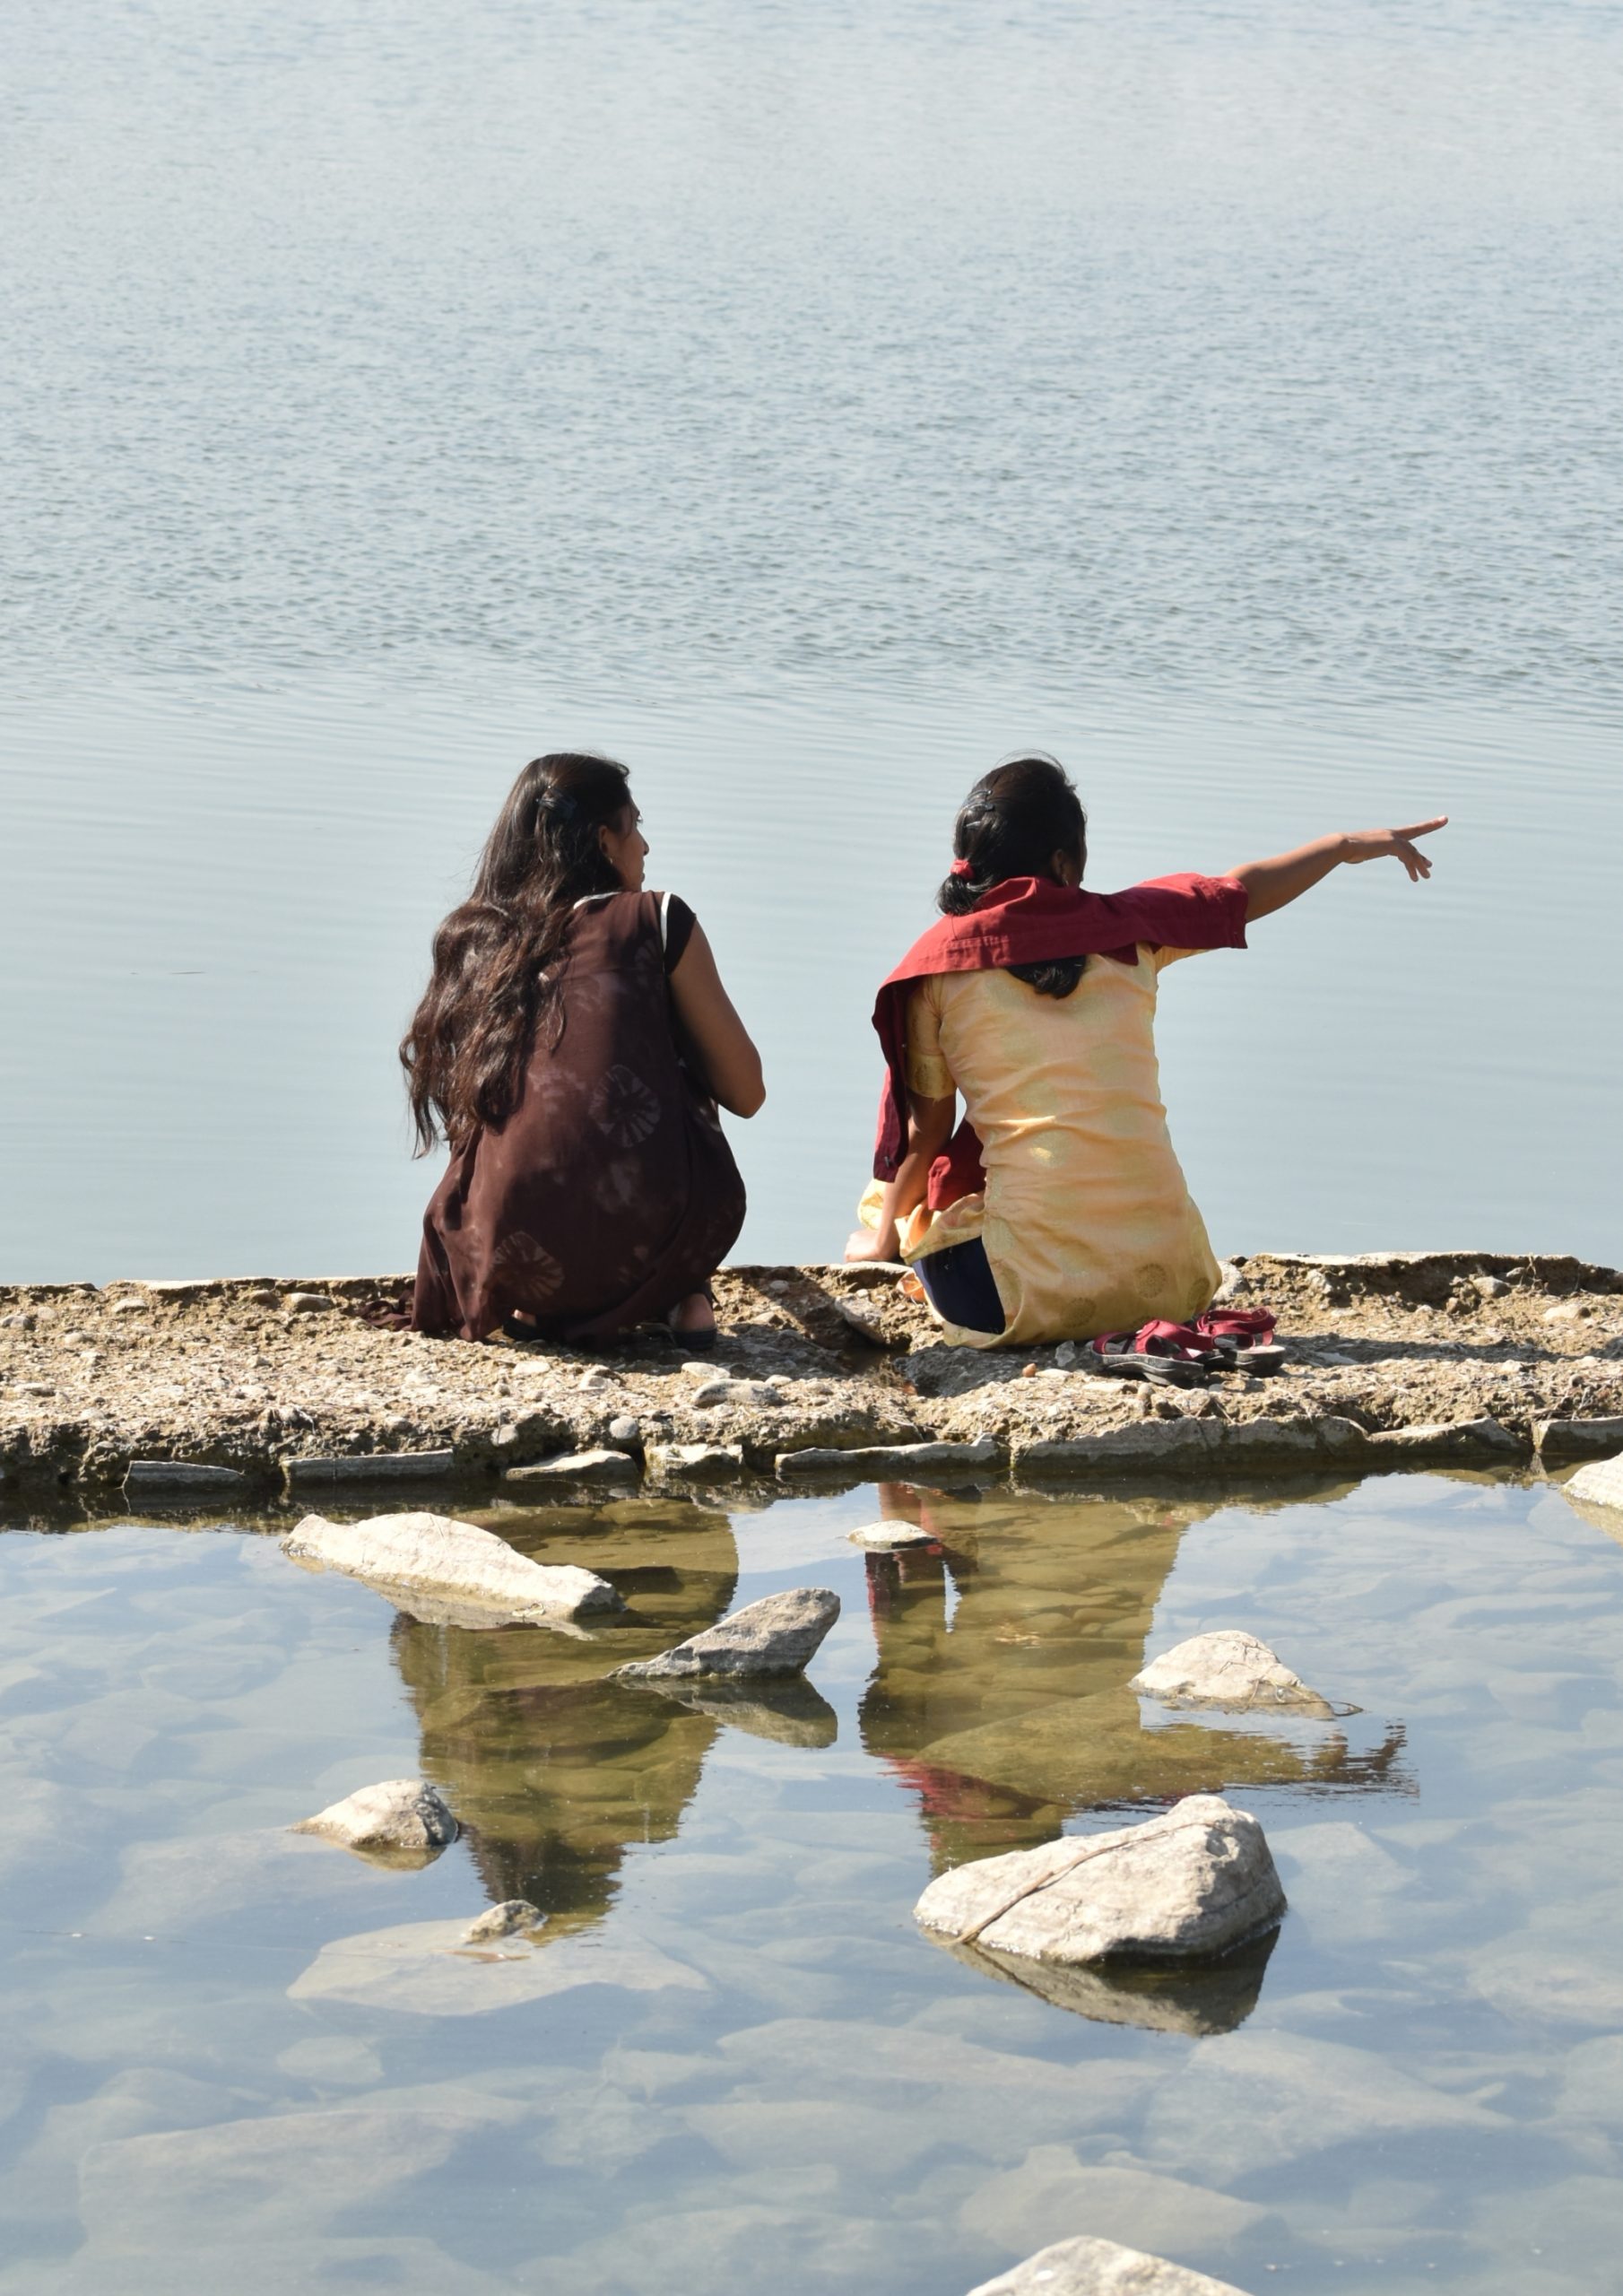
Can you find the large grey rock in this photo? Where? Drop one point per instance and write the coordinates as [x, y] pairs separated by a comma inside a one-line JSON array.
[[432, 1556], [402, 1815], [778, 1635], [1227, 1669], [1599, 1484], [1186, 1886], [1089, 2268]]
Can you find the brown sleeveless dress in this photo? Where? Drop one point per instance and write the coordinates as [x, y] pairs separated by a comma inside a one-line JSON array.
[[610, 1192]]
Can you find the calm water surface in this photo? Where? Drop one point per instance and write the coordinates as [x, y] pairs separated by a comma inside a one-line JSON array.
[[808, 405], [730, 2060]]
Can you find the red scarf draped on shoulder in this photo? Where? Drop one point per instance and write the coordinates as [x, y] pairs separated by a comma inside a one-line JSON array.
[[1030, 921]]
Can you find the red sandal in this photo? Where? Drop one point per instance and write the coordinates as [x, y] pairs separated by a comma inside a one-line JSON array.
[[1245, 1335], [1174, 1355]]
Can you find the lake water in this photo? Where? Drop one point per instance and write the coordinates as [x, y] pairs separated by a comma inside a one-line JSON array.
[[808, 406], [731, 2059]]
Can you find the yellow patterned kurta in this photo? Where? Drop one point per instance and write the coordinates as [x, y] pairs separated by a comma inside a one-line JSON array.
[[1085, 1218]]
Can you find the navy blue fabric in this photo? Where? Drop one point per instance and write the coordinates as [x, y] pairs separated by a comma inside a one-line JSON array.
[[958, 1281]]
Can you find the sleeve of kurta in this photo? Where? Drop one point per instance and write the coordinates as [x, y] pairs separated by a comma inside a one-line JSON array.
[[928, 1073]]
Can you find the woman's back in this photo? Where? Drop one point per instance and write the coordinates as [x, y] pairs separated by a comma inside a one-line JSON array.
[[609, 1190], [1085, 1217]]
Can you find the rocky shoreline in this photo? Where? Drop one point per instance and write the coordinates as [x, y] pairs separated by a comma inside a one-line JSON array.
[[270, 1389]]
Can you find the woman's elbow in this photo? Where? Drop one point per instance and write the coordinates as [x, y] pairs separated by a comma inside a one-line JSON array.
[[752, 1098]]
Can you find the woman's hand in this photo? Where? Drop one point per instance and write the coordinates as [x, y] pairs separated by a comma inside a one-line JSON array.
[[871, 1244], [1273, 884], [1375, 844]]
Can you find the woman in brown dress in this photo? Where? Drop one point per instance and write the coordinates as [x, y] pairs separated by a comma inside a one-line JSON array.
[[572, 1047]]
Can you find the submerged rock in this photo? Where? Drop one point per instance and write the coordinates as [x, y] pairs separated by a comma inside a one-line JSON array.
[[1089, 2268], [1227, 1669], [1188, 1886], [428, 1969], [1198, 1998], [432, 1556], [778, 1635], [504, 1920], [402, 1815]]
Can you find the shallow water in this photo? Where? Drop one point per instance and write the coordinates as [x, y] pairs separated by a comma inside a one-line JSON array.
[[730, 2058], [808, 406]]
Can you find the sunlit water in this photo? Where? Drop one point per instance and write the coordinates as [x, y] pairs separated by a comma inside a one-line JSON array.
[[730, 2060], [808, 405]]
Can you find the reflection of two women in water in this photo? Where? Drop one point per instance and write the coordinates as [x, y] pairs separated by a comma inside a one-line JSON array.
[[999, 1694]]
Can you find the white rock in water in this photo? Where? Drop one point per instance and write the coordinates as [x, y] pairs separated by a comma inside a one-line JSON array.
[[432, 1556], [1089, 2268], [884, 1538], [1188, 1885], [503, 1920], [401, 1814], [1602, 1484], [1226, 1669], [778, 1635]]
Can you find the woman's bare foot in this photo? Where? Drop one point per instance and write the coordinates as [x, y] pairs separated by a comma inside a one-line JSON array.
[[693, 1317]]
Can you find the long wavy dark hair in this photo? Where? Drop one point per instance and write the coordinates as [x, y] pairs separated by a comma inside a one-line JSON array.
[[1011, 824], [469, 1038]]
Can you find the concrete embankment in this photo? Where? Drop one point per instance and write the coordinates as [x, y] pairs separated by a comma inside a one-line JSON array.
[[259, 1389]]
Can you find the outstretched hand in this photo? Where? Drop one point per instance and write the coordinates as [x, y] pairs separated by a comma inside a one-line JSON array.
[[1375, 844]]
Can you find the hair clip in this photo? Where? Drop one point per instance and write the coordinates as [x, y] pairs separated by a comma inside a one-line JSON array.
[[560, 804], [961, 868]]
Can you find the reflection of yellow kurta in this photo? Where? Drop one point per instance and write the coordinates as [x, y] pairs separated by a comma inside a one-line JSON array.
[[1085, 1218]]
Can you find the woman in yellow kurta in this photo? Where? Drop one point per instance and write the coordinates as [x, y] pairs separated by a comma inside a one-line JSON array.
[[1035, 1002]]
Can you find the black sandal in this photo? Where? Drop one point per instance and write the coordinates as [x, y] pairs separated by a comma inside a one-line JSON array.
[[698, 1343]]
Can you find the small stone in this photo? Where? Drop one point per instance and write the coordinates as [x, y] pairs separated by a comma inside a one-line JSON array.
[[514, 1914], [715, 1391], [697, 1369], [1029, 1372], [625, 1431], [1188, 1886], [1489, 1287], [594, 1376], [23, 1320], [306, 1303], [35, 1388], [264, 1298], [403, 1813], [129, 1307], [778, 1635], [696, 1462], [1086, 2267], [862, 1320], [881, 1538], [1226, 1669], [598, 1467], [778, 1285], [1065, 1354], [1567, 1311]]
